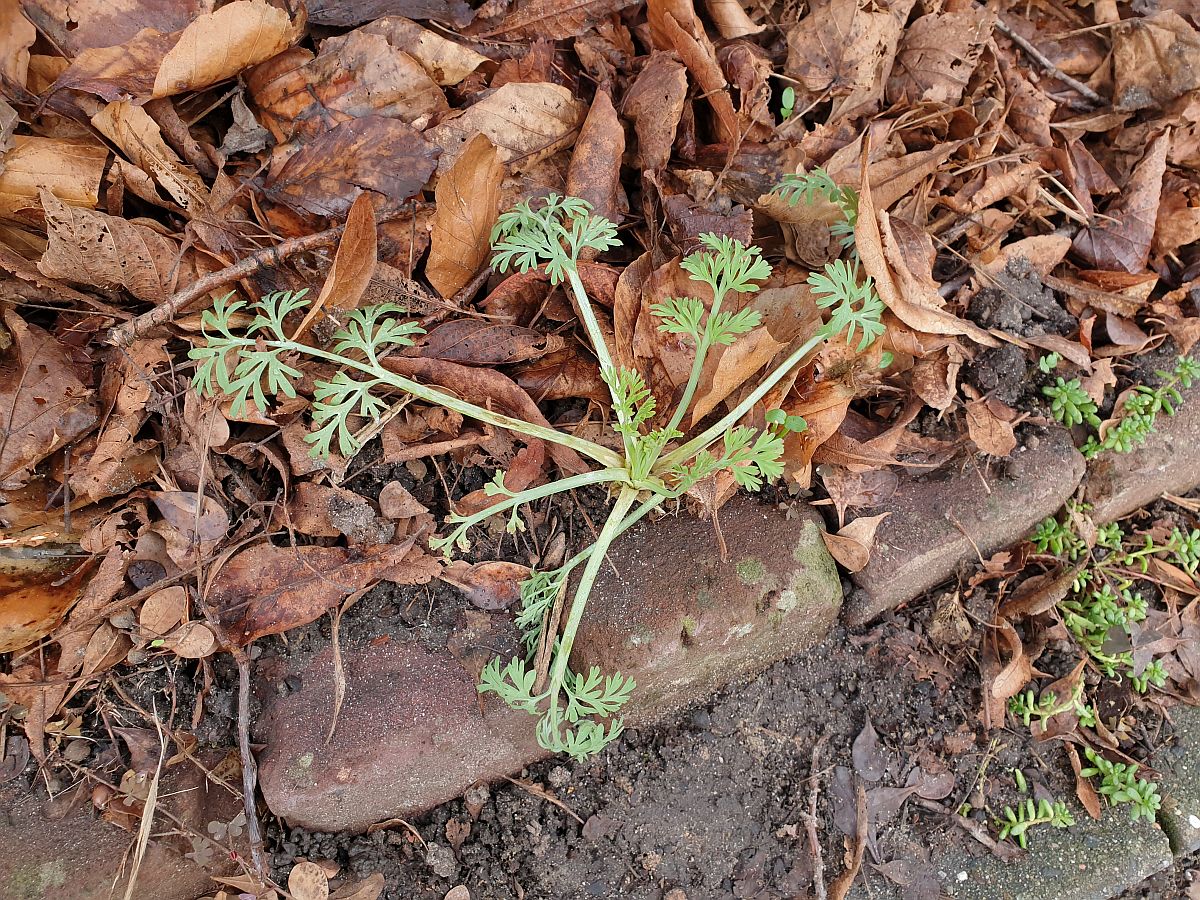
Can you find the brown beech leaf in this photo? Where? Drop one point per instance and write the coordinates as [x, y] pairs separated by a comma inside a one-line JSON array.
[[553, 19], [140, 139], [1155, 59], [674, 25], [343, 13], [353, 264], [372, 153], [851, 546], [468, 202], [1016, 673], [937, 55], [731, 19], [447, 62], [475, 342], [488, 585], [1084, 791], [163, 610], [99, 250], [845, 50], [655, 102], [269, 589], [211, 48], [595, 171], [37, 592], [191, 640], [1121, 240], [70, 170], [43, 403], [526, 122], [991, 433]]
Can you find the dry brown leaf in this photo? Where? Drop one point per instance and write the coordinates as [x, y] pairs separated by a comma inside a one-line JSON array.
[[1084, 791], [17, 35], [372, 153], [353, 265], [731, 19], [1122, 238], [852, 545], [991, 433], [308, 881], [844, 51], [467, 204], [71, 170], [554, 19], [396, 502], [163, 610], [109, 252], [1017, 672], [937, 55], [343, 13], [213, 47], [525, 122], [140, 139], [595, 171], [674, 25], [268, 589], [1155, 59], [447, 62], [320, 510], [492, 585], [43, 403], [655, 102], [192, 640]]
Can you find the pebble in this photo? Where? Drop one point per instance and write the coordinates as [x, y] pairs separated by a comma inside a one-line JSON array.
[[440, 859]]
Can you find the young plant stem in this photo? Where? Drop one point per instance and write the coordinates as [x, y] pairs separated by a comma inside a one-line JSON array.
[[685, 451], [597, 476], [594, 451], [612, 528], [590, 323], [702, 348]]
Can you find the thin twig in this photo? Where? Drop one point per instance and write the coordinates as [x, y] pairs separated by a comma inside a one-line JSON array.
[[545, 795], [810, 818], [126, 334], [1006, 852], [1040, 58], [249, 765]]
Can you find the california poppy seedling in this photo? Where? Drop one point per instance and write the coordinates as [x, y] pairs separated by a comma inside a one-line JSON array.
[[577, 711]]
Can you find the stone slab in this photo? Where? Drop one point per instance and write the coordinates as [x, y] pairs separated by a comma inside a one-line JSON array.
[[1090, 861], [1168, 463], [414, 733], [938, 521], [1179, 783]]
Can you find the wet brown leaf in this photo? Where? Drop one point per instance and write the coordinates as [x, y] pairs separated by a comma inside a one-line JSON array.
[[455, 13], [17, 35], [192, 640], [525, 122], [468, 202], [476, 342], [35, 593], [1121, 240], [595, 171], [43, 403], [163, 610], [77, 25], [869, 761], [372, 153], [992, 433], [268, 589], [489, 585], [655, 102]]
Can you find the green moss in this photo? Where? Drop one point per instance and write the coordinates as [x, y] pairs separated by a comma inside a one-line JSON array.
[[750, 570], [705, 600], [33, 883], [689, 626]]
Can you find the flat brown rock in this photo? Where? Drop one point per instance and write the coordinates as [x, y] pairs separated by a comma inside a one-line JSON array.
[[1168, 463], [413, 732], [939, 521]]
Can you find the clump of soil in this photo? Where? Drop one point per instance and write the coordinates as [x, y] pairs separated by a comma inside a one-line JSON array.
[[1020, 304]]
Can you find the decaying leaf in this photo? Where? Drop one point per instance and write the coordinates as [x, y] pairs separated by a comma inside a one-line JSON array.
[[851, 546], [353, 265], [489, 585], [71, 170], [269, 589]]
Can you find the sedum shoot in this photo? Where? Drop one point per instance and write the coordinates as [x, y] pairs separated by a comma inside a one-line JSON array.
[[577, 711]]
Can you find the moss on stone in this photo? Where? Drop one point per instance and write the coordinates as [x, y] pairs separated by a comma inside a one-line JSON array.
[[750, 570]]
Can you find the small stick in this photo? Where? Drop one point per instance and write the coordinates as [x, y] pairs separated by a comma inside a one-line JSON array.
[[126, 334], [1006, 852], [1040, 58], [842, 884], [249, 765], [810, 819], [545, 795]]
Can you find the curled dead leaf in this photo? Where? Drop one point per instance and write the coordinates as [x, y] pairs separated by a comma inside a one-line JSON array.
[[468, 202], [489, 585], [851, 546]]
